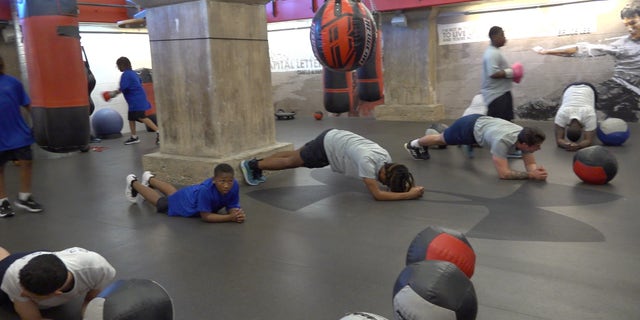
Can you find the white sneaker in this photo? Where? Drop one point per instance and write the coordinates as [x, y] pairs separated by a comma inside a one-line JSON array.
[[146, 176], [129, 192]]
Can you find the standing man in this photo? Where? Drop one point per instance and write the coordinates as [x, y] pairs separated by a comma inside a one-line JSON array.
[[497, 76], [15, 142]]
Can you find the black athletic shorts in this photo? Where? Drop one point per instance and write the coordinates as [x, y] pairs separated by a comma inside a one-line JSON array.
[[23, 153], [501, 107], [162, 206], [136, 115], [313, 154], [4, 265]]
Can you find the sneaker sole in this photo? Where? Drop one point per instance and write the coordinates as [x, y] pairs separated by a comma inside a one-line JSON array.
[[245, 174], [27, 208], [7, 215]]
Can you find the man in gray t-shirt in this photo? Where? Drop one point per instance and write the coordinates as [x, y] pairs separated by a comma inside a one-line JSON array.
[[347, 153], [501, 137]]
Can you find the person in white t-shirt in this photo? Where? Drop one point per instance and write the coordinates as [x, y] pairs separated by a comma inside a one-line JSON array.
[[42, 279], [576, 119]]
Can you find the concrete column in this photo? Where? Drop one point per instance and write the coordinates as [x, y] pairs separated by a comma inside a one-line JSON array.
[[410, 69], [212, 83]]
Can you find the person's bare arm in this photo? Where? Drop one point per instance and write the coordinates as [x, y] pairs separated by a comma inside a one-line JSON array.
[[88, 297], [587, 139], [559, 51], [236, 215], [27, 310], [560, 138], [382, 195], [533, 171]]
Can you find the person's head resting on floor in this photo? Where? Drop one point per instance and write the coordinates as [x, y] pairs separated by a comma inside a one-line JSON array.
[[43, 277], [530, 139], [630, 16], [396, 176], [574, 130], [223, 175]]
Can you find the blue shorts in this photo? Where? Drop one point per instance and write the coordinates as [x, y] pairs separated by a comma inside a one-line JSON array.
[[461, 131]]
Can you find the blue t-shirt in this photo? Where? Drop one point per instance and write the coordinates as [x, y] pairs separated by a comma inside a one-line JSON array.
[[14, 131], [131, 88], [205, 197]]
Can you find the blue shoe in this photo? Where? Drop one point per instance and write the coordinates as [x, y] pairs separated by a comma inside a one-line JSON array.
[[252, 177]]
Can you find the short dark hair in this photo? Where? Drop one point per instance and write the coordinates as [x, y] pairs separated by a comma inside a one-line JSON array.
[[531, 136], [574, 132], [631, 10], [222, 168], [398, 177], [494, 31], [124, 63], [43, 274]]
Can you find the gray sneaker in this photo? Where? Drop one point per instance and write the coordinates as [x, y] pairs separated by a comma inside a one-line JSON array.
[[251, 176], [6, 210]]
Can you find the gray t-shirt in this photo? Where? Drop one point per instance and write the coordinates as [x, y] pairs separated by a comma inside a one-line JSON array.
[[499, 135], [492, 62], [354, 155], [90, 272]]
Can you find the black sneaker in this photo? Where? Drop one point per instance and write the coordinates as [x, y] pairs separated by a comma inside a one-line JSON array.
[[418, 153], [158, 138], [29, 205], [6, 210], [132, 140]]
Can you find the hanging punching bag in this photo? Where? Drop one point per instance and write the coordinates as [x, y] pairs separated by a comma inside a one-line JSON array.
[[57, 75], [343, 34], [339, 90], [370, 82]]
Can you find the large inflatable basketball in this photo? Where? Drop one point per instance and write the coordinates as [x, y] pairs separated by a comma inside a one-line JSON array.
[[343, 34]]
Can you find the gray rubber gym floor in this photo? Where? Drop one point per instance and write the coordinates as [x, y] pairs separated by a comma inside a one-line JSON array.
[[316, 245]]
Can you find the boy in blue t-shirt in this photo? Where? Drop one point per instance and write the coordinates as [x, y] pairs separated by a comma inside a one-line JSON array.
[[134, 94], [15, 142], [204, 199]]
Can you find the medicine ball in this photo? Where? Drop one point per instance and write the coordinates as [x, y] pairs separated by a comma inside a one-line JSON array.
[[133, 299], [362, 316], [595, 165], [613, 132], [436, 243], [343, 34], [434, 290]]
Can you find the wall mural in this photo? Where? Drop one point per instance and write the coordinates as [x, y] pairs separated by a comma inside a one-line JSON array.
[[618, 96]]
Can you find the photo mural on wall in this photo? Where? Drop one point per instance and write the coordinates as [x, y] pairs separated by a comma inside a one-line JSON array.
[[618, 96]]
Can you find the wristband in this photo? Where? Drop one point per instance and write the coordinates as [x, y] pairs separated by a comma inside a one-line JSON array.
[[508, 73]]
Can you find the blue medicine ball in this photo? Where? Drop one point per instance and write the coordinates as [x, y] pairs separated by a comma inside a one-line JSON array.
[[106, 123], [613, 132]]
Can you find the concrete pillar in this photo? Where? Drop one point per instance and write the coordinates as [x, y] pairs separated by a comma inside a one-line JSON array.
[[212, 83], [410, 69]]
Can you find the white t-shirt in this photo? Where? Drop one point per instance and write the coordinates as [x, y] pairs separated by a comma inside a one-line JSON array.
[[578, 102], [90, 271], [354, 155], [477, 106]]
